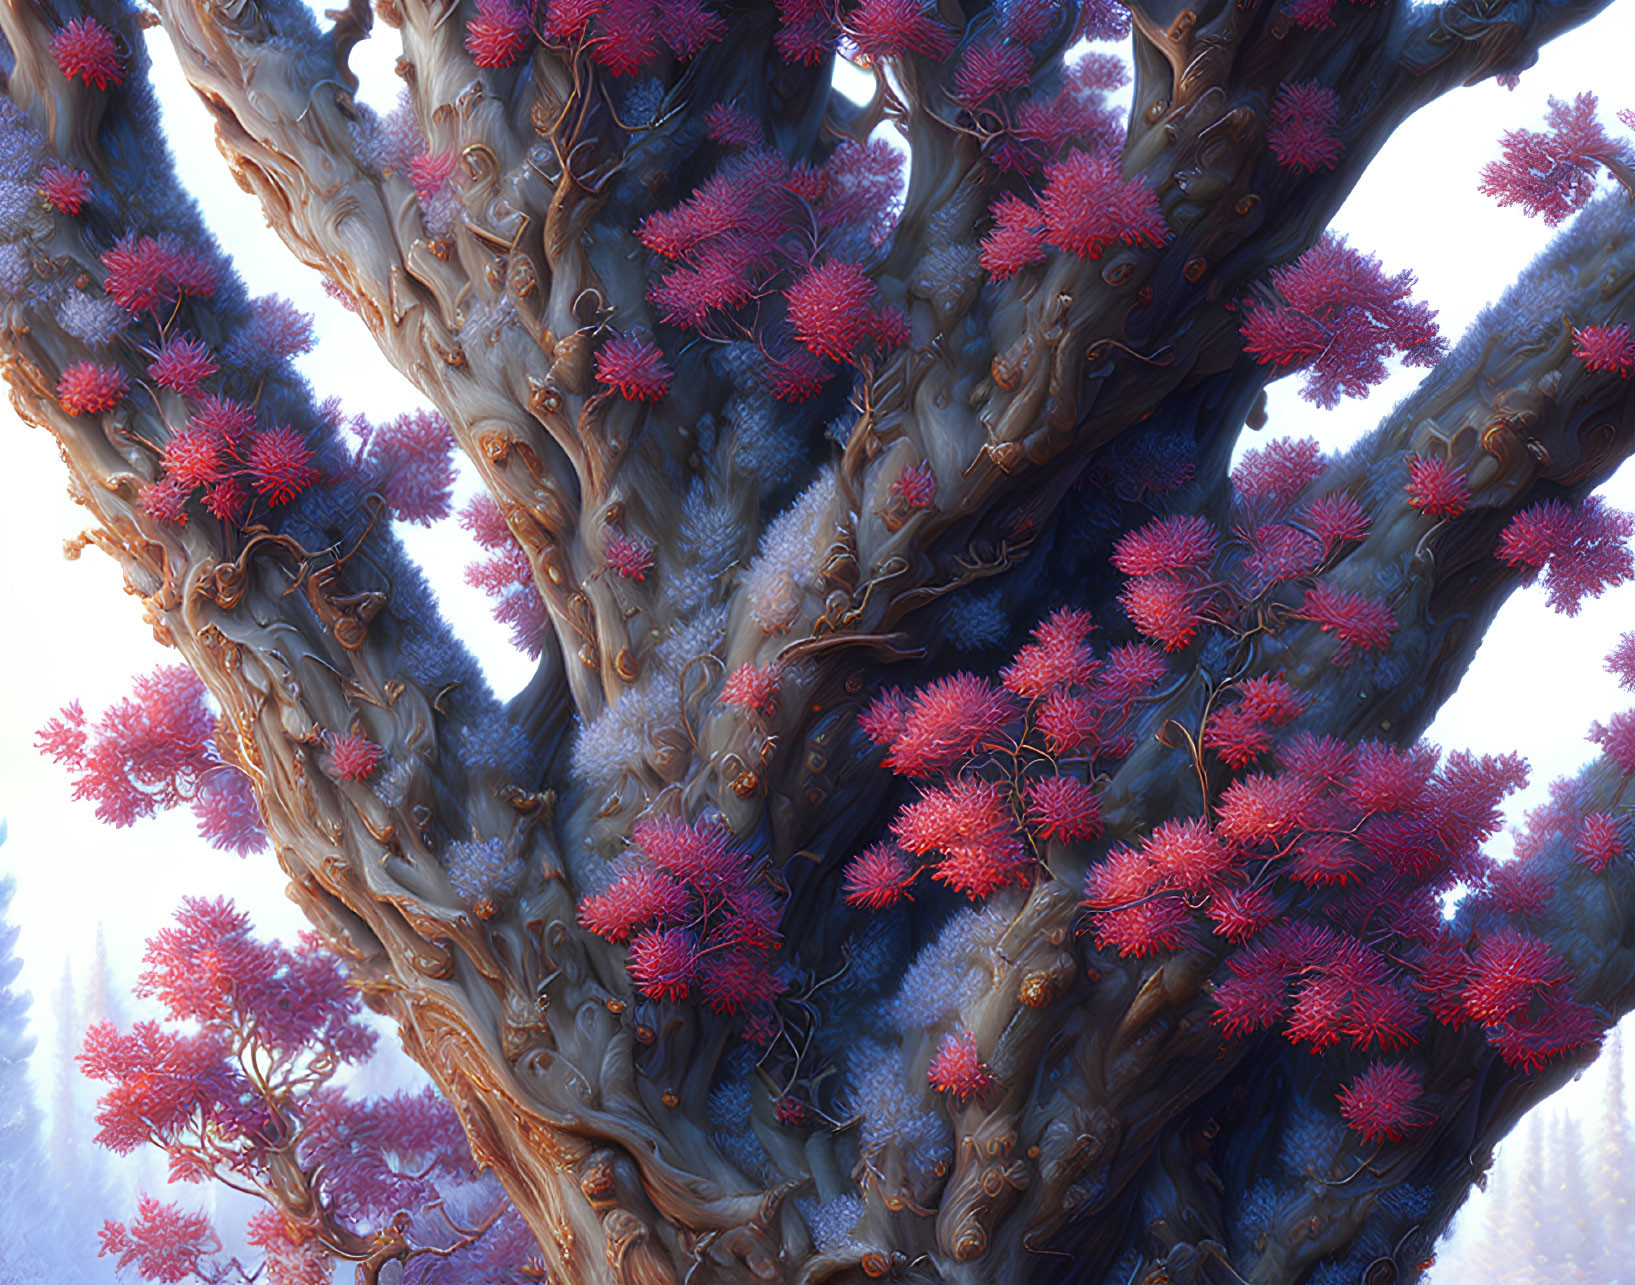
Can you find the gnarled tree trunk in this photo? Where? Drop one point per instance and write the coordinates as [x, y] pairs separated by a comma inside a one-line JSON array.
[[1125, 1133]]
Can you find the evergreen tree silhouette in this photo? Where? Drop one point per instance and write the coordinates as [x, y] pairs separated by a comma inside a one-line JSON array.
[[25, 1215]]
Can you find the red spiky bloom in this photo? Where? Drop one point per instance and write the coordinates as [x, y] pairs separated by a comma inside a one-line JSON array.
[[1600, 841], [957, 1069], [145, 272], [1163, 608], [733, 126], [879, 876], [1554, 173], [1357, 621], [231, 420], [1323, 760], [991, 66], [916, 484], [1058, 657], [1155, 926], [1616, 737], [697, 853], [1271, 477], [498, 34], [1262, 809], [1605, 348], [1088, 205], [750, 687], [1063, 807], [1239, 913], [280, 464], [193, 457], [971, 824], [664, 963], [1508, 970], [882, 722], [89, 389], [165, 500], [430, 172], [1436, 487], [1236, 735], [634, 366], [354, 756], [1269, 698], [1382, 1102], [1303, 114], [65, 187], [1388, 779], [85, 48], [732, 981], [1017, 239], [1189, 856], [183, 364], [1165, 545], [1335, 518], [886, 29], [1621, 662], [631, 557], [832, 311], [640, 895], [945, 721], [1582, 551], [228, 499], [1336, 314]]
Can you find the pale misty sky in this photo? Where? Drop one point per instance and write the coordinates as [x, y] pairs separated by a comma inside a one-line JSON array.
[[1535, 686]]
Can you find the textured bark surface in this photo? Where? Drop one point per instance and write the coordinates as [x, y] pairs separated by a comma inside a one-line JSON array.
[[1125, 1130]]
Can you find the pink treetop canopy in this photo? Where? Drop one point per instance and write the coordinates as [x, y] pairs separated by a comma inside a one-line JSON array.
[[1335, 313]]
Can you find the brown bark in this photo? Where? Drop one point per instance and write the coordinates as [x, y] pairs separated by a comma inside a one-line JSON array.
[[588, 1105]]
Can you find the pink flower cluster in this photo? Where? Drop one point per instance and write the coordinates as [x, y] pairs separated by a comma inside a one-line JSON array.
[[697, 912], [1014, 762]]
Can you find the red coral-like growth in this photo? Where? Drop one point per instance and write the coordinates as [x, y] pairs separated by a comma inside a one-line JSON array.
[[879, 876], [1582, 551], [498, 34], [958, 1069], [945, 721], [85, 48], [89, 389], [1303, 114], [750, 687], [65, 187], [183, 364], [631, 557], [1165, 545], [164, 1243], [1383, 1102], [1621, 662], [1088, 205], [1616, 737], [916, 485], [1017, 239], [1357, 621], [1436, 487], [634, 366], [833, 312], [1063, 807], [354, 756], [1605, 348], [280, 464]]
